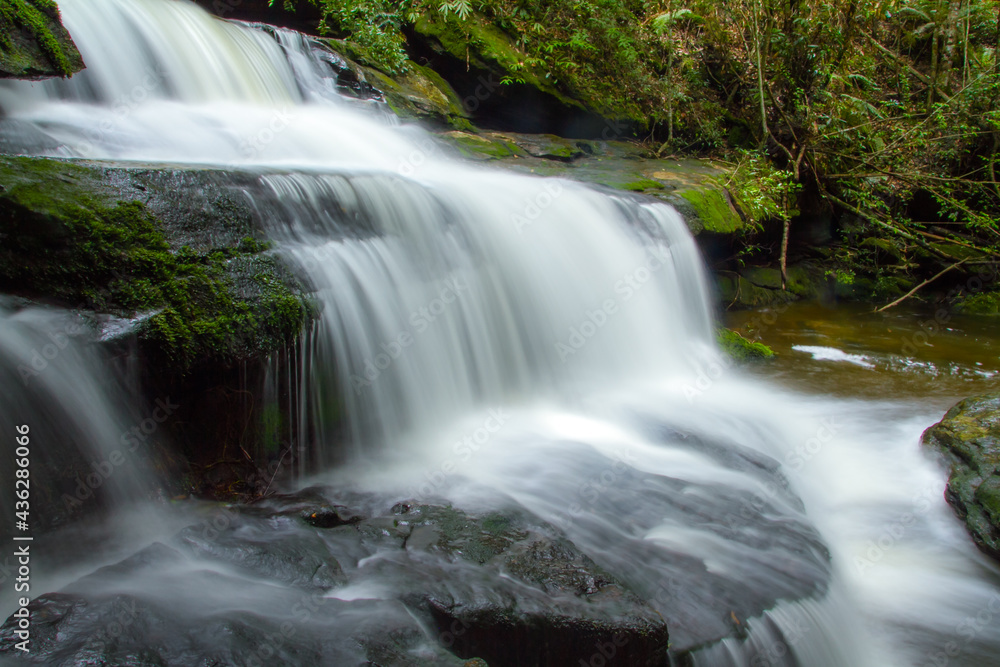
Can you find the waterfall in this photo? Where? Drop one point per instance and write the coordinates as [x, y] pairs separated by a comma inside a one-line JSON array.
[[85, 455], [487, 337]]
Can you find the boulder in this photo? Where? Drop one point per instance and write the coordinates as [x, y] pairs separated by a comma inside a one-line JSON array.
[[500, 587], [969, 439], [33, 42]]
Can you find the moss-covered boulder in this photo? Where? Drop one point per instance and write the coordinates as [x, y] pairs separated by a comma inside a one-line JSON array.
[[500, 87], [741, 349], [969, 439], [980, 303], [33, 42], [736, 291], [714, 208], [178, 250]]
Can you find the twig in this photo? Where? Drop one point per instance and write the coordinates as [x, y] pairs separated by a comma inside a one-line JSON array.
[[915, 289], [276, 469]]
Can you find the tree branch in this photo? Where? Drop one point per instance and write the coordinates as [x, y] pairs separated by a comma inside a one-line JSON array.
[[918, 287]]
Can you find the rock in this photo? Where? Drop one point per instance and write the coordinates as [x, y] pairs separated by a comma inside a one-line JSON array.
[[480, 147], [500, 587], [183, 248], [714, 208], [488, 72], [980, 303], [738, 292], [741, 349], [969, 438], [33, 42]]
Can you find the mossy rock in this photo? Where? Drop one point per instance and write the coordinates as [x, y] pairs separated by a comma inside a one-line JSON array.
[[33, 42], [713, 209], [888, 249], [739, 293], [420, 93], [969, 438], [741, 349], [980, 303], [643, 184], [480, 147], [190, 261], [483, 46], [763, 277]]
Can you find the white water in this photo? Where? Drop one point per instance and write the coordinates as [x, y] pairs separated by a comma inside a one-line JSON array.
[[581, 321], [78, 420]]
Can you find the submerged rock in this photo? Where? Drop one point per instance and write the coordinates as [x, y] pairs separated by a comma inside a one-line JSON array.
[[334, 576], [969, 438], [414, 584]]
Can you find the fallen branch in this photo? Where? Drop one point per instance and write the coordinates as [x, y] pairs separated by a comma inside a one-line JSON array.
[[918, 287], [936, 237]]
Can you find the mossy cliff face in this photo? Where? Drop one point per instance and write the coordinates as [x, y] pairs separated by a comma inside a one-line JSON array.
[[176, 249], [969, 438], [498, 86], [33, 42]]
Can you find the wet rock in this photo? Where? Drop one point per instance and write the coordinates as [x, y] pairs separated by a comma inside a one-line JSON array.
[[35, 45], [969, 438], [310, 505], [496, 588], [513, 590], [401, 582], [272, 549]]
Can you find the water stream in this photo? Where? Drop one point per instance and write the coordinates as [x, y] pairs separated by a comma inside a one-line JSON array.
[[494, 338]]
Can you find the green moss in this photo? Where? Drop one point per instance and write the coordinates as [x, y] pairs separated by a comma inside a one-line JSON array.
[[987, 495], [65, 239], [29, 28], [740, 348], [485, 47], [476, 146], [642, 185], [981, 303], [715, 213]]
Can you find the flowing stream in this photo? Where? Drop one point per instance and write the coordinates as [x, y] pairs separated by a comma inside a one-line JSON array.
[[490, 337]]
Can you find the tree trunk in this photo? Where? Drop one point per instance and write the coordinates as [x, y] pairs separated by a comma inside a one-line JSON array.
[[784, 252], [950, 35], [760, 76]]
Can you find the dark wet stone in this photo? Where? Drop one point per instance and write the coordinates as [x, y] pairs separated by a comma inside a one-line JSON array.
[[969, 438]]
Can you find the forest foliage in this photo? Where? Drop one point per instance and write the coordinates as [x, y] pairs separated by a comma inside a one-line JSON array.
[[887, 109]]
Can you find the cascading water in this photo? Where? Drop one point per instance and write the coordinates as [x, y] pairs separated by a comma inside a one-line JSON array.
[[56, 385], [491, 338]]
